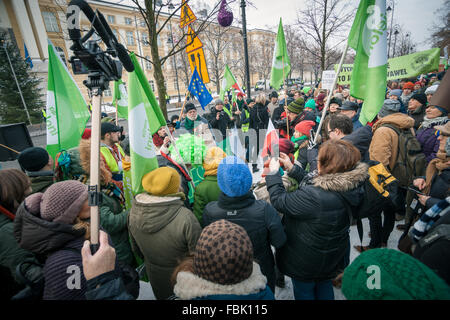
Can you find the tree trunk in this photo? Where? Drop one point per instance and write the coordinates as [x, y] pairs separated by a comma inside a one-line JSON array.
[[157, 67], [323, 44]]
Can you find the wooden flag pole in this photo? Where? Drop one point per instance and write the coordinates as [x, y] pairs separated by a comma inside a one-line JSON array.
[[285, 101], [327, 104], [184, 104], [2, 145]]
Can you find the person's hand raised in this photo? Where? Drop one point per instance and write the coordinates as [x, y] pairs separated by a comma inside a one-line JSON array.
[[102, 261]]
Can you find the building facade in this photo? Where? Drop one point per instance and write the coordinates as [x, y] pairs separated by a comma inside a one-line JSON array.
[[32, 23]]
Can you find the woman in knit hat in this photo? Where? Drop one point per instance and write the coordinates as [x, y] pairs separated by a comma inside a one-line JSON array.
[[113, 215], [257, 217], [316, 217], [162, 229], [301, 139], [54, 225], [295, 113], [208, 190], [14, 187], [228, 274], [386, 274], [407, 92]]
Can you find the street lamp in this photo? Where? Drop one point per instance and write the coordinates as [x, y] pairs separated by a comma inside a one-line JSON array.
[[396, 32], [171, 7], [392, 20], [244, 35]]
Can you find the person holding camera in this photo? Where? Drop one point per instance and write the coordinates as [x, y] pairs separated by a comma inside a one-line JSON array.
[[110, 149], [219, 120], [161, 140]]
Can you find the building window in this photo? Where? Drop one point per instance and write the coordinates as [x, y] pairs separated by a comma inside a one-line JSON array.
[[107, 93], [111, 19], [142, 23], [148, 64], [130, 38], [51, 24], [152, 84], [61, 54], [116, 34], [128, 21], [145, 39]]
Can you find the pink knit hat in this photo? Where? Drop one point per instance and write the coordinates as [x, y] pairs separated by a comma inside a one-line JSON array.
[[61, 202]]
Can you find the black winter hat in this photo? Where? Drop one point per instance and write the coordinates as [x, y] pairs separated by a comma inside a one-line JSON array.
[[421, 97], [108, 127], [188, 107], [274, 94], [33, 159], [349, 105]]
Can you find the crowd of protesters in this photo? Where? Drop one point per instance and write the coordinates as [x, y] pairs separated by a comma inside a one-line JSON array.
[[209, 231]]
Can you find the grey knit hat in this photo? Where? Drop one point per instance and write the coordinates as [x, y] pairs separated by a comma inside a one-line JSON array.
[[217, 102], [389, 107], [62, 201]]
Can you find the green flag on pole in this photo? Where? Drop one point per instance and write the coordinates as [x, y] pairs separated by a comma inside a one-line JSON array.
[[120, 99], [67, 112], [368, 38], [228, 82], [280, 60], [144, 119]]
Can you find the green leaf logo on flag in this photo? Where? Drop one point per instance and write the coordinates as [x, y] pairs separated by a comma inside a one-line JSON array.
[[368, 37], [120, 99], [67, 112], [280, 60], [144, 119]]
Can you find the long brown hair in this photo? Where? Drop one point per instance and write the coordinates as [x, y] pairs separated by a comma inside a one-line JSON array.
[[337, 156], [187, 264], [14, 187]]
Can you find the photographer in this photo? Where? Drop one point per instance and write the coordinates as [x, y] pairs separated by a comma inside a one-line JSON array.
[[218, 119], [161, 140]]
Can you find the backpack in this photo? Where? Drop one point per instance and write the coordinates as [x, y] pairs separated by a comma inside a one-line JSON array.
[[411, 160], [380, 189]]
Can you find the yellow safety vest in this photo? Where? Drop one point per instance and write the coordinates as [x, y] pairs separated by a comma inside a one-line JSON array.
[[245, 126], [109, 158], [227, 111]]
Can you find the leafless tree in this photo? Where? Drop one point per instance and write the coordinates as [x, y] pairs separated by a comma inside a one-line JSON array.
[[324, 23], [441, 31]]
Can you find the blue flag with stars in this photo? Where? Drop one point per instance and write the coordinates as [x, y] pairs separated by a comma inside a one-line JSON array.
[[197, 88]]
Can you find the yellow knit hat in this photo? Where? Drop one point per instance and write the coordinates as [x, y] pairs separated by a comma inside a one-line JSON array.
[[161, 181], [212, 160]]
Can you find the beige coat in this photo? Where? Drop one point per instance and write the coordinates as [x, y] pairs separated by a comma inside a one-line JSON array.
[[163, 232], [384, 145]]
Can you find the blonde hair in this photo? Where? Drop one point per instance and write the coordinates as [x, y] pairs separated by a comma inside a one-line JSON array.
[[261, 98]]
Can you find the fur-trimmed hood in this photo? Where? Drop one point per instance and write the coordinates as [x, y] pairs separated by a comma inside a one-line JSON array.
[[190, 286], [345, 181]]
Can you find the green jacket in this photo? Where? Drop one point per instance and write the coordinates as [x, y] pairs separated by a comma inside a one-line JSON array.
[[207, 191], [163, 232], [113, 219], [11, 254], [40, 183]]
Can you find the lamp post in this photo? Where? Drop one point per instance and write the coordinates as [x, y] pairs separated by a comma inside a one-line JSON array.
[[244, 35], [396, 32], [171, 7], [392, 20], [17, 82]]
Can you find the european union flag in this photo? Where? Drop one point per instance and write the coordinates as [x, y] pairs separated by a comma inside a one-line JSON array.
[[27, 57], [197, 88]]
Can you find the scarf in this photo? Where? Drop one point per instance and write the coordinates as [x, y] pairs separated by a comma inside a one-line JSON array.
[[295, 140], [189, 124], [428, 123], [113, 191], [427, 219], [437, 165]]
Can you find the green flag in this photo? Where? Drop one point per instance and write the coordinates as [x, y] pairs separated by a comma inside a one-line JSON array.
[[144, 119], [368, 38], [120, 99], [280, 60], [228, 82], [67, 112]]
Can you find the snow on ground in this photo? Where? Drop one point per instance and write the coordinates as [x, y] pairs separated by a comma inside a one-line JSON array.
[[287, 293]]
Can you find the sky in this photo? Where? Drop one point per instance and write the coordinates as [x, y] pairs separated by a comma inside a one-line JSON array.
[[416, 16]]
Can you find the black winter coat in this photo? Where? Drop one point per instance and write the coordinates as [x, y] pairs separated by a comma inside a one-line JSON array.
[[316, 221], [259, 219], [361, 139], [440, 187], [222, 124], [259, 117]]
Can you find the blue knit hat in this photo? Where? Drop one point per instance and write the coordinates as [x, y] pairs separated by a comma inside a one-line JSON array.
[[234, 177]]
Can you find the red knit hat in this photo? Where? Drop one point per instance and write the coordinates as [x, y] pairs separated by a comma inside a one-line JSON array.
[[285, 146], [86, 134], [320, 97], [240, 94], [408, 85], [305, 127], [418, 82]]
